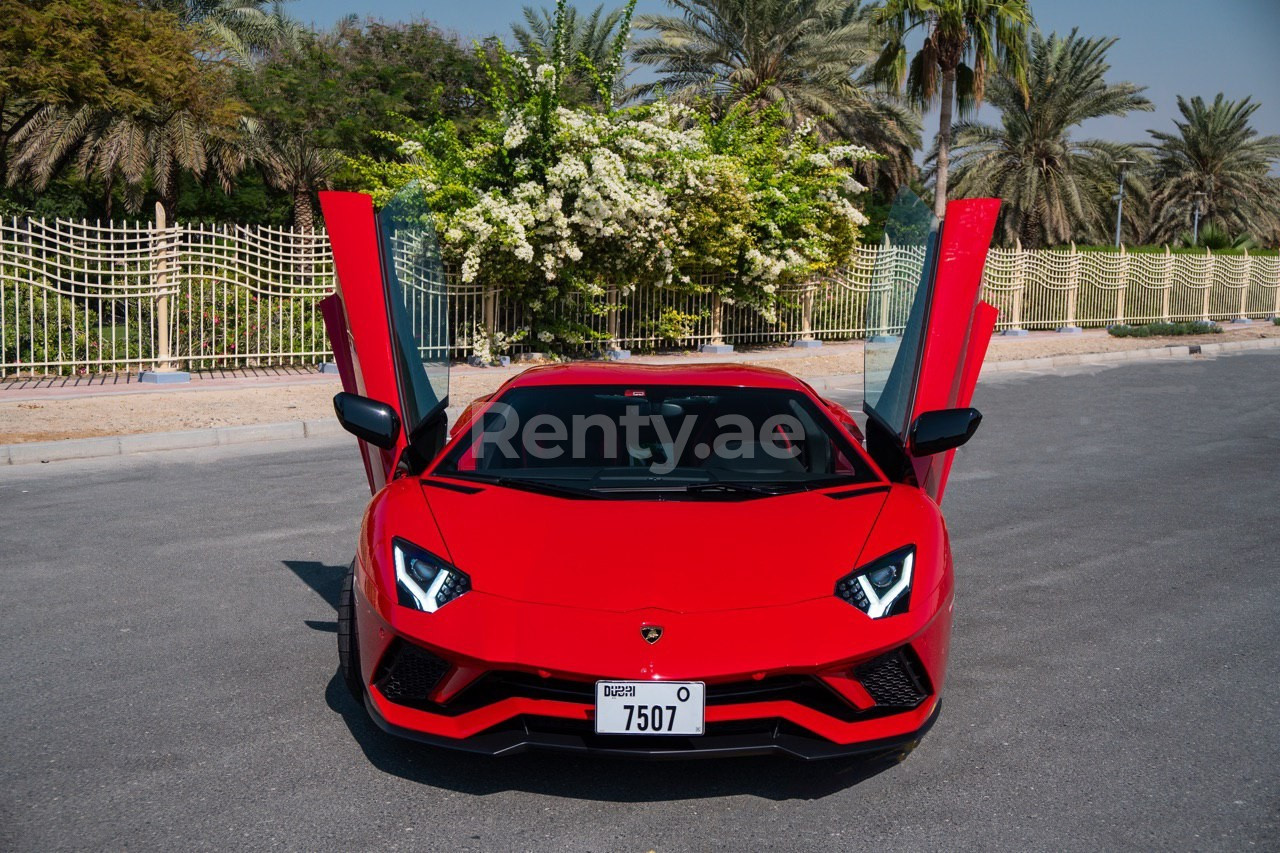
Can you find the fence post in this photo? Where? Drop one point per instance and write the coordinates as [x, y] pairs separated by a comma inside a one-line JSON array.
[[162, 249], [161, 262], [612, 350], [1166, 284], [613, 317], [1124, 287], [1208, 287], [489, 311], [886, 302], [717, 346], [884, 280], [1243, 316], [3, 347], [1018, 285], [1073, 287], [806, 338], [1275, 313]]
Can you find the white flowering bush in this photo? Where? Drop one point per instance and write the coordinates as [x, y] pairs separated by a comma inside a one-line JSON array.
[[548, 201], [487, 346]]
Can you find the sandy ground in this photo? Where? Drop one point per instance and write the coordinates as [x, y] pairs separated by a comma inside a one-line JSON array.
[[82, 411]]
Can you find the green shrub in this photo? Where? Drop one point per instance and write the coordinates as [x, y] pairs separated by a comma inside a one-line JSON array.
[[1152, 330], [564, 203]]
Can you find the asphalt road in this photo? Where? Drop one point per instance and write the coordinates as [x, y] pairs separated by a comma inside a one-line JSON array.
[[169, 657]]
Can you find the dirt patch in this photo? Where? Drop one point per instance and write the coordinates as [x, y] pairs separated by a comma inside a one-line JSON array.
[[162, 411]]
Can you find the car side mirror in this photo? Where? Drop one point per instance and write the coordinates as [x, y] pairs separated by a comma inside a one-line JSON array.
[[368, 420], [943, 429]]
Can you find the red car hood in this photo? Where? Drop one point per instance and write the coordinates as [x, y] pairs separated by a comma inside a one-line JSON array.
[[680, 555]]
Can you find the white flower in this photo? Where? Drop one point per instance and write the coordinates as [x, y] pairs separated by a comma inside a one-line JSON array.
[[516, 133], [410, 148], [545, 336]]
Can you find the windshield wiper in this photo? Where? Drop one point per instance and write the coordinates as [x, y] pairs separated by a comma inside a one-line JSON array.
[[543, 487], [746, 488], [695, 488], [540, 486]]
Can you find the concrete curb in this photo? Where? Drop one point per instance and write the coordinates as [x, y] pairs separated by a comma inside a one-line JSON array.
[[123, 445], [830, 383]]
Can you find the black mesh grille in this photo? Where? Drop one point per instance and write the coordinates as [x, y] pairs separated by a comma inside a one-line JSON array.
[[408, 674], [895, 680], [802, 689]]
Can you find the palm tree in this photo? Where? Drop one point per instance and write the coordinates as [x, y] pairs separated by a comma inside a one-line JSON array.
[[590, 36], [1055, 188], [589, 45], [808, 57], [239, 30], [1218, 153], [145, 151], [196, 129], [291, 163], [964, 41]]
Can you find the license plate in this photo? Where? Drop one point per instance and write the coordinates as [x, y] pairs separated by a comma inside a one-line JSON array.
[[649, 707]]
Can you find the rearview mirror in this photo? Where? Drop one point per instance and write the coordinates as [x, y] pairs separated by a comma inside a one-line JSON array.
[[367, 419], [944, 429]]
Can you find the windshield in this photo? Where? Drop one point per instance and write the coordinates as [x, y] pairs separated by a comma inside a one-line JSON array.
[[656, 441]]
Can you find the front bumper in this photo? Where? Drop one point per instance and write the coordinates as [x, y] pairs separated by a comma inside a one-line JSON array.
[[479, 685], [523, 734], [881, 704]]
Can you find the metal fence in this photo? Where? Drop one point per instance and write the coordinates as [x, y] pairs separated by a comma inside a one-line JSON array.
[[81, 297]]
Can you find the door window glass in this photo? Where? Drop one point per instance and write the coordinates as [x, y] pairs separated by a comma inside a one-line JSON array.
[[898, 311], [417, 300]]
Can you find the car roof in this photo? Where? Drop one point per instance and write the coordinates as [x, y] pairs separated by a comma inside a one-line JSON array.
[[613, 373]]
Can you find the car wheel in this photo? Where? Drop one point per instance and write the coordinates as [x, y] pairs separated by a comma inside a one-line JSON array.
[[348, 640]]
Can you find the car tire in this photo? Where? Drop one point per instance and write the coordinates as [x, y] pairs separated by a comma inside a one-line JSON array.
[[348, 639]]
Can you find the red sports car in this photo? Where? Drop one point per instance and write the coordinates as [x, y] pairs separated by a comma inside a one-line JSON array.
[[643, 560]]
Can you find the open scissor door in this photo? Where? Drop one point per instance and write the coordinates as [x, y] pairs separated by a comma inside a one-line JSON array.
[[388, 321], [930, 331]]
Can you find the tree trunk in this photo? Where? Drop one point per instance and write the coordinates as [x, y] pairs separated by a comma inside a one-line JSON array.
[[304, 210], [4, 145], [944, 141], [169, 201]]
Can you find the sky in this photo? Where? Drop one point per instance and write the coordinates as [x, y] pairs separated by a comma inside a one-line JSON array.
[[1172, 47]]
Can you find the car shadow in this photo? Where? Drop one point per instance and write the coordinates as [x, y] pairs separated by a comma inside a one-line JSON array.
[[597, 778], [326, 580], [587, 778]]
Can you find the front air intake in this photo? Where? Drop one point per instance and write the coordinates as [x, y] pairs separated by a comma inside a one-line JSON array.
[[408, 674], [895, 680]]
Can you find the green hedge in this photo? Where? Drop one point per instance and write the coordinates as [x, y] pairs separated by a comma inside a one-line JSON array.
[[1152, 330]]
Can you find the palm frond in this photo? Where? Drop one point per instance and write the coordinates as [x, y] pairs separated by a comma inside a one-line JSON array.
[[1055, 188], [812, 59]]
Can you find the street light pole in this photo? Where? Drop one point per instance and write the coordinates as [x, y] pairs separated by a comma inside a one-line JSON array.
[[1124, 167], [1195, 220]]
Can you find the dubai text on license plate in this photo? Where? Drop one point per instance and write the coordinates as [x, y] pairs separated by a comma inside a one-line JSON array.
[[650, 707]]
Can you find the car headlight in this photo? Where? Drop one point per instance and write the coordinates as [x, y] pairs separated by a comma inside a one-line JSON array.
[[883, 587], [424, 581]]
